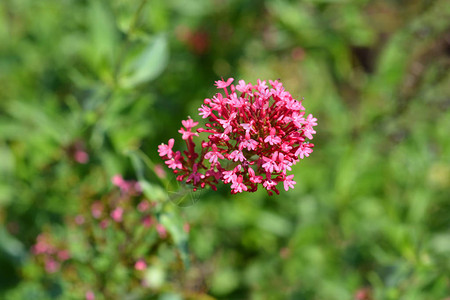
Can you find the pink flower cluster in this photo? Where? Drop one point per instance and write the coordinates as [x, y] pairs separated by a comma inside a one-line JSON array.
[[255, 134], [119, 209], [126, 186], [52, 254]]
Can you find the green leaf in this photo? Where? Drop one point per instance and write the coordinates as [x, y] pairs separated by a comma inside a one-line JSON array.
[[103, 33], [175, 226], [148, 65], [11, 246]]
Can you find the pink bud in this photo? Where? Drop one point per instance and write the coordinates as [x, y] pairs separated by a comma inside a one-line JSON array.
[[160, 171], [51, 266], [140, 265], [81, 157], [79, 220], [143, 206], [90, 295], [161, 231], [117, 180], [96, 209], [147, 222], [63, 255], [117, 214], [104, 224]]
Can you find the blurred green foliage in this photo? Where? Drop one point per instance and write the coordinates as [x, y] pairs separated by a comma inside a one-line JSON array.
[[370, 215]]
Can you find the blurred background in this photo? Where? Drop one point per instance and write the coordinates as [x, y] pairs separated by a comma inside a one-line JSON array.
[[85, 83]]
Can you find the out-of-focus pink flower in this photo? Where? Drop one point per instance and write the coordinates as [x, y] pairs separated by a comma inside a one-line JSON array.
[[97, 209], [51, 265], [159, 171], [147, 221], [117, 180], [104, 223], [143, 206], [126, 186], [81, 156], [363, 294], [255, 131], [137, 187], [43, 245], [140, 265], [79, 219], [90, 295], [117, 214], [186, 227], [161, 231], [63, 255]]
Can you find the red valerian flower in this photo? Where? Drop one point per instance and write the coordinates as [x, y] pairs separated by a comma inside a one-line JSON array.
[[255, 134]]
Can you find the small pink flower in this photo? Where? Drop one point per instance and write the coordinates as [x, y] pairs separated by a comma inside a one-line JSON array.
[[238, 186], [96, 209], [159, 171], [311, 121], [175, 161], [297, 119], [229, 176], [195, 176], [186, 227], [248, 127], [366, 294], [166, 150], [288, 182], [137, 187], [214, 155], [187, 133], [271, 163], [248, 144], [143, 206], [161, 231], [126, 187], [253, 177], [205, 111], [81, 157], [63, 255], [242, 87], [147, 221], [104, 224], [237, 155], [272, 139], [79, 219], [140, 265], [227, 122], [223, 84], [189, 123], [51, 266], [117, 214], [117, 180], [304, 150], [269, 184], [42, 245], [90, 295]]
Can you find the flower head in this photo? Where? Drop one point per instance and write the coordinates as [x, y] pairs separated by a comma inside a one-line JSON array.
[[255, 134]]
